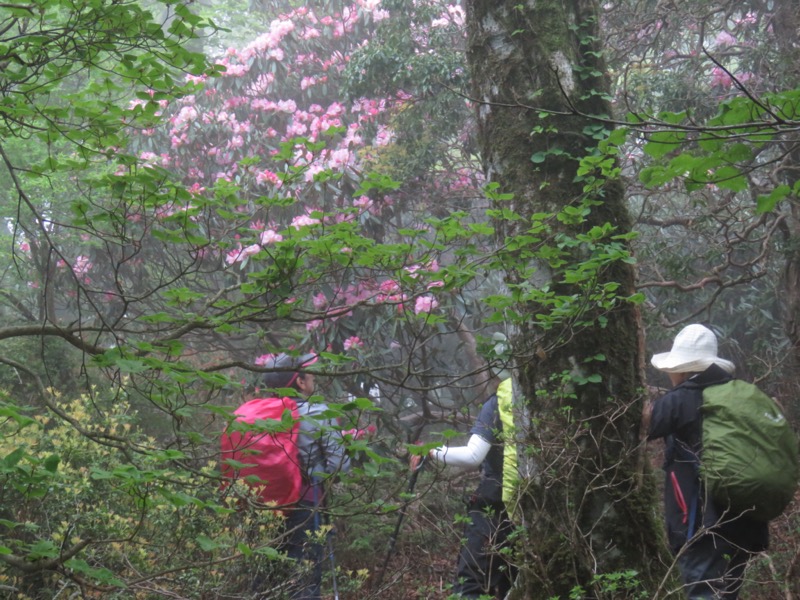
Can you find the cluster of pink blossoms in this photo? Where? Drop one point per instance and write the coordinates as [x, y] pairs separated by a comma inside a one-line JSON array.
[[352, 342], [268, 237], [425, 304]]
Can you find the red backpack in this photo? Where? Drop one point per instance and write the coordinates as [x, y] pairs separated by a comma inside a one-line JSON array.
[[267, 459]]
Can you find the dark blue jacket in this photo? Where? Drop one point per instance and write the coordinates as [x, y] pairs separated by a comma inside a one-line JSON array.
[[677, 418], [489, 427]]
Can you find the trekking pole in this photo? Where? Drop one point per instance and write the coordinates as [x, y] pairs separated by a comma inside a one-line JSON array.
[[412, 481]]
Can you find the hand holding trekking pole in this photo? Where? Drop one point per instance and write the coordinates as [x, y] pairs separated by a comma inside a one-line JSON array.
[[417, 462]]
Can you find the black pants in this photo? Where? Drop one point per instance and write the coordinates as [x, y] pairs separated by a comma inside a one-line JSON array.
[[304, 546], [713, 568], [482, 568]]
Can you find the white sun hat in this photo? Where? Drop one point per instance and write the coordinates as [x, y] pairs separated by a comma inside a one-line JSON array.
[[693, 351]]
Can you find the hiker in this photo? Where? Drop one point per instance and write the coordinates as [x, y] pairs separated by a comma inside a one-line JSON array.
[[482, 568], [712, 544], [321, 456]]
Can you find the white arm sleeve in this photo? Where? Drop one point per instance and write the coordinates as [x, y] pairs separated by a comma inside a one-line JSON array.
[[471, 455]]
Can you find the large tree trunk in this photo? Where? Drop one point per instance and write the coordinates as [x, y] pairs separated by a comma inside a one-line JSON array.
[[587, 504], [786, 26]]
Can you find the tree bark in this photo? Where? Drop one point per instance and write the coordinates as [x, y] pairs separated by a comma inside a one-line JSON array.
[[587, 502], [785, 26]]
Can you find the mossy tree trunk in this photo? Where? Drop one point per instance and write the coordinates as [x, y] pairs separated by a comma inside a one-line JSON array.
[[587, 504], [787, 35]]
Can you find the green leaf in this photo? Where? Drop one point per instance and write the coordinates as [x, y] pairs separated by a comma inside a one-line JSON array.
[[13, 458], [271, 553], [664, 142], [10, 412], [770, 201], [98, 574], [730, 178], [656, 176], [42, 549], [207, 544], [51, 463]]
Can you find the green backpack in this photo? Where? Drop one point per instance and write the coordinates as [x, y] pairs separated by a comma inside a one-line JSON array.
[[750, 454]]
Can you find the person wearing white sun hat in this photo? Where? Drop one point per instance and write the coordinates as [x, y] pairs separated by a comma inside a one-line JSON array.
[[712, 547], [693, 351]]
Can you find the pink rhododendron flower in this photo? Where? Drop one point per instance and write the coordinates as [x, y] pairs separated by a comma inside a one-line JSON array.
[[389, 287], [185, 116], [720, 78], [195, 189], [25, 246], [340, 158], [362, 202], [725, 39], [312, 325], [270, 237], [234, 255], [310, 33], [235, 70], [149, 159], [287, 106], [353, 342], [196, 79], [413, 271], [263, 360], [336, 109], [425, 304], [312, 172], [384, 136], [358, 434], [748, 19], [267, 177], [296, 129], [177, 141], [82, 266], [319, 301], [303, 221], [251, 250]]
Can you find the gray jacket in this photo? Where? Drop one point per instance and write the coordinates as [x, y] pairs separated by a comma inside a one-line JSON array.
[[322, 452]]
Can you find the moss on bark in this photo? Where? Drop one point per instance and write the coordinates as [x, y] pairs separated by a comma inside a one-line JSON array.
[[587, 507]]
